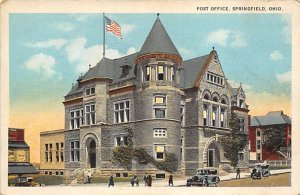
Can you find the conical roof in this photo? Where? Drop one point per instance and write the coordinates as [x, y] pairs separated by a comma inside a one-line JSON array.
[[158, 41]]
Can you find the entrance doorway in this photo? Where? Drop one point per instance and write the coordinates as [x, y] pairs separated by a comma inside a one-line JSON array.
[[211, 158], [92, 154]]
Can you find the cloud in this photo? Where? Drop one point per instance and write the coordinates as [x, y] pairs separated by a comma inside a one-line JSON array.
[[226, 37], [82, 56], [41, 63], [56, 43], [131, 50], [286, 31], [276, 55], [236, 84], [284, 77], [65, 26], [127, 28], [82, 17], [238, 40]]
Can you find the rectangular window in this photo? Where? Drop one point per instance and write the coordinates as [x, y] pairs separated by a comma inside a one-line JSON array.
[[258, 157], [182, 111], [160, 133], [76, 118], [257, 133], [50, 152], [57, 152], [242, 125], [173, 73], [62, 152], [216, 79], [258, 144], [160, 72], [159, 106], [46, 152], [205, 115], [241, 103], [74, 150], [90, 91], [121, 140], [159, 152], [148, 72], [90, 117], [222, 117], [241, 156], [214, 113], [121, 111]]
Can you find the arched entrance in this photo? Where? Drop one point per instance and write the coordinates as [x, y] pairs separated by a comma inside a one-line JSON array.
[[213, 153], [90, 143], [91, 153]]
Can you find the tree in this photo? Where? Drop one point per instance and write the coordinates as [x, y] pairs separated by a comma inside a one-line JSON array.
[[234, 141], [274, 138]]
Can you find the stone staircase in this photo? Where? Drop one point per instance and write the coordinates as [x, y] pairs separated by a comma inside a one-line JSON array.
[[78, 176]]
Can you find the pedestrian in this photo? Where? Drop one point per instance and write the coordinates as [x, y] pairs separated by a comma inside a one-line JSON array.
[[88, 179], [137, 181], [171, 180], [145, 179], [149, 180], [132, 180], [238, 171], [111, 181]]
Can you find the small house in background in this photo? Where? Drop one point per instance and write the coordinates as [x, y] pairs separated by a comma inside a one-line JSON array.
[[18, 153], [52, 152], [258, 131]]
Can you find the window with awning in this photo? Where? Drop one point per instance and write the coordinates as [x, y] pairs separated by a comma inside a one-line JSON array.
[[159, 152]]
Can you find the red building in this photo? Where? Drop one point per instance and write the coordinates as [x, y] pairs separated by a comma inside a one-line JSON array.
[[18, 153], [259, 130]]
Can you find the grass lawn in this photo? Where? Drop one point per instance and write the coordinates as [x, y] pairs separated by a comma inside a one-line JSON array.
[[105, 179], [271, 181]]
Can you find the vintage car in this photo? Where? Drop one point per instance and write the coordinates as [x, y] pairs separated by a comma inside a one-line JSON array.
[[26, 182], [260, 170], [204, 177]]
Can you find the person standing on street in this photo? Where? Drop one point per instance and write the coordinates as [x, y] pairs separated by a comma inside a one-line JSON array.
[[238, 171], [111, 181], [171, 180], [149, 180], [146, 179]]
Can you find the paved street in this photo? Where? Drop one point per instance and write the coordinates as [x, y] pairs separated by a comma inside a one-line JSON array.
[[181, 182]]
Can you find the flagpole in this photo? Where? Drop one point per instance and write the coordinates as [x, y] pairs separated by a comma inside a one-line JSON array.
[[103, 35]]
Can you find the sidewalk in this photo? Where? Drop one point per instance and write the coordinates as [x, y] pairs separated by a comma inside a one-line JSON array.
[[180, 182]]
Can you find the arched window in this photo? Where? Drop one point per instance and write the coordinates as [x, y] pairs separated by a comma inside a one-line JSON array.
[[215, 99], [206, 96]]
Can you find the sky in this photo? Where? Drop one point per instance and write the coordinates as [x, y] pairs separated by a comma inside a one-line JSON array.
[[48, 52]]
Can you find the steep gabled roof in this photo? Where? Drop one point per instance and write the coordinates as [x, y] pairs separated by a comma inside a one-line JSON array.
[[191, 70], [158, 41], [117, 67], [271, 118], [103, 69]]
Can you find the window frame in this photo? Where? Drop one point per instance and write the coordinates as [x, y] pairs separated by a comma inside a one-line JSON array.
[[91, 113], [159, 106], [75, 151], [160, 133], [76, 121], [90, 91], [121, 143], [163, 153], [121, 112]]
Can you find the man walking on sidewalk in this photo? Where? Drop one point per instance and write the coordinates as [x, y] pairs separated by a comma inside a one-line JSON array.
[[238, 171]]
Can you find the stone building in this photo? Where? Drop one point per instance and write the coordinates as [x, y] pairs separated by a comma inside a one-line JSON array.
[[52, 152], [171, 105]]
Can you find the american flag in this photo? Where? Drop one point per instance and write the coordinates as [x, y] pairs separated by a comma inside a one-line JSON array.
[[113, 27]]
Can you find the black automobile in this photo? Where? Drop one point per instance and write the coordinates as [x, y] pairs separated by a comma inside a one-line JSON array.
[[260, 170], [204, 177]]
